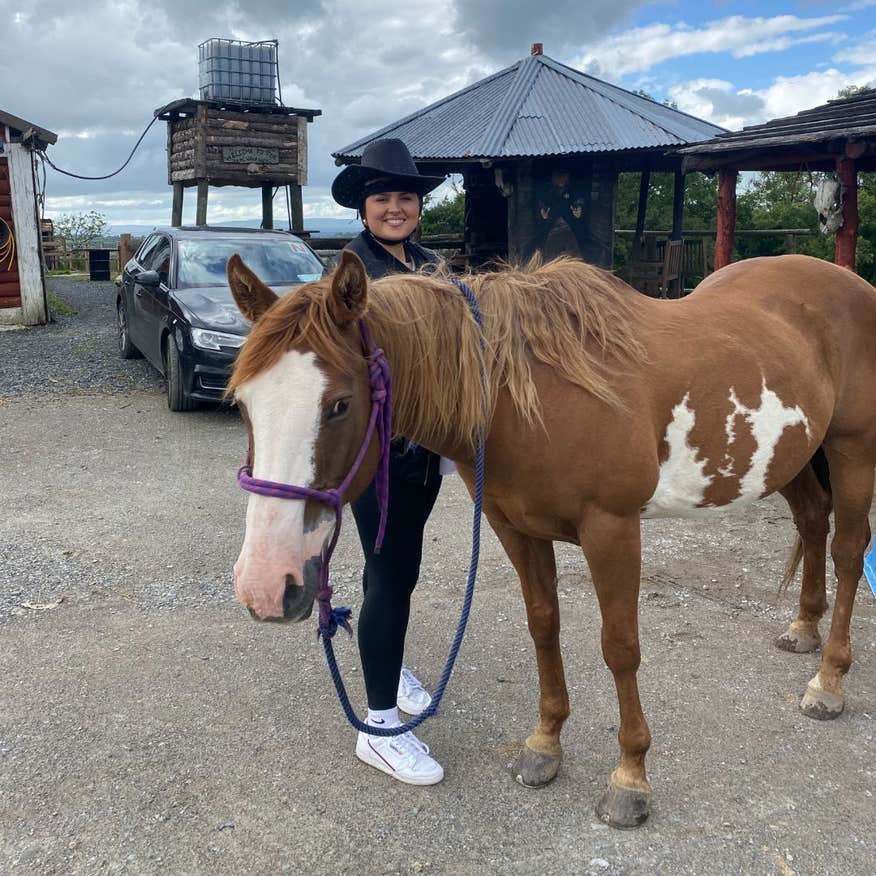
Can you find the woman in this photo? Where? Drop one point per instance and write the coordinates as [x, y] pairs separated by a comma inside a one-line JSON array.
[[388, 191]]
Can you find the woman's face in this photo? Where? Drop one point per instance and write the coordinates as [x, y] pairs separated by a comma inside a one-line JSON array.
[[392, 215]]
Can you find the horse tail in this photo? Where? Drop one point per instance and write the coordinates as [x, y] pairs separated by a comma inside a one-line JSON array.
[[793, 564], [822, 474]]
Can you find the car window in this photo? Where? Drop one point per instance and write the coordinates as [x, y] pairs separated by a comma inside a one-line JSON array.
[[158, 259], [148, 245], [277, 261]]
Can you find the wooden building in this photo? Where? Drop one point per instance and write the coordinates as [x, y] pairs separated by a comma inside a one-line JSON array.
[[539, 146], [216, 143], [22, 281], [839, 136]]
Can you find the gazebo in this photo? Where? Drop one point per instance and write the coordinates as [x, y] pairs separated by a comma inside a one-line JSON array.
[[838, 136], [538, 145]]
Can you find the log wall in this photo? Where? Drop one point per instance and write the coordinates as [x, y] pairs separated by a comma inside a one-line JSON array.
[[236, 148], [10, 285]]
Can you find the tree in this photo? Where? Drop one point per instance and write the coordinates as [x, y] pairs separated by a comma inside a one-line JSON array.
[[81, 230], [446, 216]]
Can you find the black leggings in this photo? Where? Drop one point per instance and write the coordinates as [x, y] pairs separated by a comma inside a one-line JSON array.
[[389, 577]]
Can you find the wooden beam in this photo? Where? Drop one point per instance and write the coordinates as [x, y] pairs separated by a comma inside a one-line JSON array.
[[644, 183], [846, 242], [27, 234], [267, 206], [726, 217], [297, 207], [201, 212], [177, 208], [677, 205]]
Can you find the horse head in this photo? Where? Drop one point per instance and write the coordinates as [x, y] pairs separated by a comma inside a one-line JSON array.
[[301, 383]]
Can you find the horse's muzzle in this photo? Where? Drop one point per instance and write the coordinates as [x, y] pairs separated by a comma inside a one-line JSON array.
[[298, 599]]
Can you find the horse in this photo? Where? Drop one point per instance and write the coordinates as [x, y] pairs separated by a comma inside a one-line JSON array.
[[599, 407]]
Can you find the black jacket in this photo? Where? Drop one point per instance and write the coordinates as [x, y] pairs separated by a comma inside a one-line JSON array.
[[379, 262], [407, 461]]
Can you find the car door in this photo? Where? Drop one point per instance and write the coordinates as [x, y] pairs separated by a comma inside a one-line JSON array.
[[134, 267], [150, 302]]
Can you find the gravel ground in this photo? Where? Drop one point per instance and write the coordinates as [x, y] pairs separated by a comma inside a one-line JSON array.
[[73, 355], [147, 726]]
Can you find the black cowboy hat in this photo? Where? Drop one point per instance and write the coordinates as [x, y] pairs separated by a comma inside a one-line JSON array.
[[386, 166]]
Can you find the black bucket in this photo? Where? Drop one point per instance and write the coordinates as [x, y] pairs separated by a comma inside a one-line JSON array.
[[99, 264]]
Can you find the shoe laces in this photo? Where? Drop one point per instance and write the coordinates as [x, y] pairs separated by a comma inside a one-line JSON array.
[[409, 681], [409, 744]]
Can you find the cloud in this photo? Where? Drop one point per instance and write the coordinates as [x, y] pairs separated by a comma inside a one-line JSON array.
[[642, 48], [720, 102], [105, 65], [504, 30]]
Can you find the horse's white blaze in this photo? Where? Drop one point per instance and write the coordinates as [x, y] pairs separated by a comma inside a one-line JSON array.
[[284, 405], [683, 483]]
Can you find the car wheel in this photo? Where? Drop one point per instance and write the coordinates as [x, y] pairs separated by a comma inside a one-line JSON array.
[[178, 398], [126, 348]]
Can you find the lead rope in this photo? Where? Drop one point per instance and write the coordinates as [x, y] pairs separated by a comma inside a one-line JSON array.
[[341, 616]]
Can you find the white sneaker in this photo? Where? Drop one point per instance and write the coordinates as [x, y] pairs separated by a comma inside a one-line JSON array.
[[403, 757], [413, 698]]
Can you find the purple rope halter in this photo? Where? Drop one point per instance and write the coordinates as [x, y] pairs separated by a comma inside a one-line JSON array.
[[381, 419]]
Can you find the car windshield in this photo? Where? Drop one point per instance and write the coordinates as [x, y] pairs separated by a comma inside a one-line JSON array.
[[276, 261]]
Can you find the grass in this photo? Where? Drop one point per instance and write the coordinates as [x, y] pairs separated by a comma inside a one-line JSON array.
[[59, 307]]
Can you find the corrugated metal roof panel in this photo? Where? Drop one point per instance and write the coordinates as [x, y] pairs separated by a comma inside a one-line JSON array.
[[451, 128], [539, 107]]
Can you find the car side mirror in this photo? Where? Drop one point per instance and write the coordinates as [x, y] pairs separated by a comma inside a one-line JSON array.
[[148, 278]]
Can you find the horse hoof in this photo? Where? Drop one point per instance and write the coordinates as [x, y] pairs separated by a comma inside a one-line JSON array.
[[799, 640], [624, 808], [535, 768], [822, 705]]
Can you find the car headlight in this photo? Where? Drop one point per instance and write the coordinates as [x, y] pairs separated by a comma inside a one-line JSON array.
[[210, 340]]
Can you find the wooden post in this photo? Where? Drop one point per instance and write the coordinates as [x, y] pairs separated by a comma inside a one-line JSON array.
[[677, 206], [726, 217], [639, 239], [28, 242], [267, 206], [847, 236], [201, 213], [296, 206], [675, 287], [176, 210]]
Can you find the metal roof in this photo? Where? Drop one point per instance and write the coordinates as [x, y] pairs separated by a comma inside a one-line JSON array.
[[188, 106], [23, 126], [538, 107]]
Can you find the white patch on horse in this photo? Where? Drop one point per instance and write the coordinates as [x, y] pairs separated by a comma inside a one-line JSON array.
[[767, 424], [682, 483], [283, 404]]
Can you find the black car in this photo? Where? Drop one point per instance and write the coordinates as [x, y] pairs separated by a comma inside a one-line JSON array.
[[175, 308]]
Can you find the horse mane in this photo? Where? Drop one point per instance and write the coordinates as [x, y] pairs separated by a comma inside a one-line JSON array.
[[567, 314]]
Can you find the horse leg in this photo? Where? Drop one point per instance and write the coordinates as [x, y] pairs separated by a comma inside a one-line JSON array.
[[810, 504], [612, 546], [852, 487], [534, 562]]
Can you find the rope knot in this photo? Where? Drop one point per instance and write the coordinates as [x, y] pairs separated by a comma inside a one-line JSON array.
[[337, 617]]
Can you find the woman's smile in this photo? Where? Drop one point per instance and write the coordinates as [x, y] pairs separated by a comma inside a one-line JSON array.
[[392, 215]]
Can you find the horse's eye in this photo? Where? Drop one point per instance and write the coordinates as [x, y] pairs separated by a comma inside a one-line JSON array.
[[339, 408]]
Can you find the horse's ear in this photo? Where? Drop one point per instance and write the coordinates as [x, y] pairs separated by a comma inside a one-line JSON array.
[[349, 293], [251, 295]]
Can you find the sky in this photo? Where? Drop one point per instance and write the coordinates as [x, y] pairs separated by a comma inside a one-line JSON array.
[[93, 71]]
